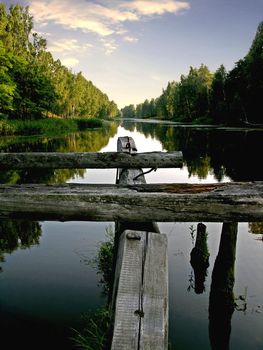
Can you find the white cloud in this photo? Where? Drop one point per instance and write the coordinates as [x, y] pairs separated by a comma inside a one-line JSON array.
[[65, 45], [103, 19], [71, 15], [106, 19], [69, 61], [159, 7], [130, 39], [110, 46]]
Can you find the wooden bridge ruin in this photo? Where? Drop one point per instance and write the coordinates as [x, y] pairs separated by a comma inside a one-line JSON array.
[[140, 291]]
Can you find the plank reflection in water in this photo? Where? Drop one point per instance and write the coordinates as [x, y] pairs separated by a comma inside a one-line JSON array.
[[221, 300]]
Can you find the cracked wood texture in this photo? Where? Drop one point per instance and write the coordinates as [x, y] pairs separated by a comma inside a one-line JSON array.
[[141, 316], [85, 160], [140, 291], [240, 202]]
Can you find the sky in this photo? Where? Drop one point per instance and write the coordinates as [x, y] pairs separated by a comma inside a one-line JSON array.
[[130, 49]]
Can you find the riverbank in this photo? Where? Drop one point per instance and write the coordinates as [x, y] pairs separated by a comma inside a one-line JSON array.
[[242, 127], [50, 126]]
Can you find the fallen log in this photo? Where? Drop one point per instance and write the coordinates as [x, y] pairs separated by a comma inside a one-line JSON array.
[[91, 160], [240, 202]]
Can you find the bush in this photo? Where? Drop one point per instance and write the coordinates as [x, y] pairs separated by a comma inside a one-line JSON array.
[[88, 123], [6, 128]]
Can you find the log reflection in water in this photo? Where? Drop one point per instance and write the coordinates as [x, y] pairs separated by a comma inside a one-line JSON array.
[[200, 259], [221, 300]]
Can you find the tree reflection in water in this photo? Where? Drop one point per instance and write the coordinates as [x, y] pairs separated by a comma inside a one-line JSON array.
[[209, 151], [15, 234], [88, 141]]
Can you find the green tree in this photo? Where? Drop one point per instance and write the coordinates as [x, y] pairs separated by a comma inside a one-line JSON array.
[[33, 84], [128, 111], [7, 85], [218, 101]]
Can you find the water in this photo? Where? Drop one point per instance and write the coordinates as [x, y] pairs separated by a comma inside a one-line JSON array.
[[49, 273]]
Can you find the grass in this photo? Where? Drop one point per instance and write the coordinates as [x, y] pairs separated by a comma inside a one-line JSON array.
[[97, 330], [95, 335], [46, 126]]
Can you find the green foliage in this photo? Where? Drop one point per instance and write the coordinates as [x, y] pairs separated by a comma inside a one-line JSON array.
[[201, 97], [6, 128], [128, 112], [7, 86], [103, 262], [95, 334], [33, 84], [89, 123], [47, 126]]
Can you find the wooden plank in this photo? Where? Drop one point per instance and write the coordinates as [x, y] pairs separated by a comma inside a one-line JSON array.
[[127, 290], [55, 160], [240, 202], [141, 316], [131, 330], [154, 323]]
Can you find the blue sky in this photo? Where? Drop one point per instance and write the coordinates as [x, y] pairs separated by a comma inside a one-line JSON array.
[[131, 49]]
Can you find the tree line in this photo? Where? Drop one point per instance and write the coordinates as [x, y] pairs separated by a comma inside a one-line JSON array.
[[33, 84], [228, 98]]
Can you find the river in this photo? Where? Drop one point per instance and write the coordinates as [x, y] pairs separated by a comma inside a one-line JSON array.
[[51, 276]]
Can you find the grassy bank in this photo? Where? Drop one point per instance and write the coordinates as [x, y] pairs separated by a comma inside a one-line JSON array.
[[47, 126]]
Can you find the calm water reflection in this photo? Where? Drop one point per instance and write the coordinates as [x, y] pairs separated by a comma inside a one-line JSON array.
[[47, 282]]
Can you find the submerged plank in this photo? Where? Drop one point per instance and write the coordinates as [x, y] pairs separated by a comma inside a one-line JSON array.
[[239, 202], [141, 288], [56, 160]]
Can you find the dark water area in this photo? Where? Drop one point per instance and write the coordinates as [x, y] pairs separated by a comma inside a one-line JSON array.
[[51, 275]]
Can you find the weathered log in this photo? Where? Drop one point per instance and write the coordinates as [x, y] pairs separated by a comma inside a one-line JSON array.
[[240, 202], [141, 316], [85, 160]]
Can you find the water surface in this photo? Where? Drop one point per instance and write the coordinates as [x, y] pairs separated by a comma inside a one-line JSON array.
[[48, 277]]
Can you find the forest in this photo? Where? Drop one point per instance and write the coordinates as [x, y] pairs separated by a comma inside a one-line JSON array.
[[33, 85], [202, 97]]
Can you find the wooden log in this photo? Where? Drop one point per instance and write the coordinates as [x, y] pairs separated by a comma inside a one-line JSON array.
[[141, 317], [55, 160], [240, 202]]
